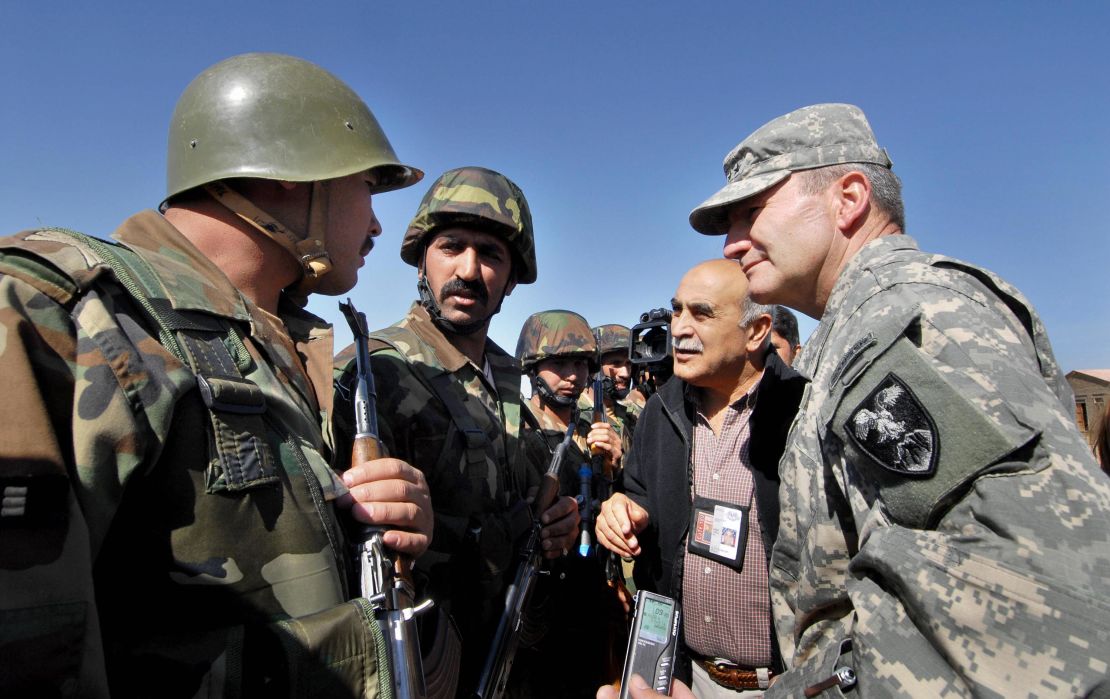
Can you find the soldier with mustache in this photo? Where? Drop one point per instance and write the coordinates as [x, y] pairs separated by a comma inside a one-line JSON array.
[[449, 402]]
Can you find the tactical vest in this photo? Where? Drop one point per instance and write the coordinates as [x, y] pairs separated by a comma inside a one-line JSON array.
[[212, 348], [442, 384]]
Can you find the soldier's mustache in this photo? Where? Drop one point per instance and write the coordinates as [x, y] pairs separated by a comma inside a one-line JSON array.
[[688, 345], [455, 286]]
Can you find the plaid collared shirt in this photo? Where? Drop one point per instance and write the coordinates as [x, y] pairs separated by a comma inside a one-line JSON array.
[[728, 614]]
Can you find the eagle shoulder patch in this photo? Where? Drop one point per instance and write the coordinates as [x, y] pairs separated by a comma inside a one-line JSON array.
[[892, 427]]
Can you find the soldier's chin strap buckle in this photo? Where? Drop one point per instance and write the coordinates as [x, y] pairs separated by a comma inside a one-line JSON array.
[[310, 252], [314, 258]]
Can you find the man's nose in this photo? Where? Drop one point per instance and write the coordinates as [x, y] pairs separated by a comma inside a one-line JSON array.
[[679, 328], [468, 268], [737, 241], [375, 227]]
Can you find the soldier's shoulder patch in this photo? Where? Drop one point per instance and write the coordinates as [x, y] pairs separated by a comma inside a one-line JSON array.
[[915, 432], [892, 427]]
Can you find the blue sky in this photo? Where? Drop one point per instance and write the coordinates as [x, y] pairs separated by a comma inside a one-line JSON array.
[[614, 118]]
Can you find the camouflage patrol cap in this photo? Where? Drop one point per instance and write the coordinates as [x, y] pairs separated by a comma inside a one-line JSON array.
[[555, 333], [807, 138], [478, 198], [611, 338]]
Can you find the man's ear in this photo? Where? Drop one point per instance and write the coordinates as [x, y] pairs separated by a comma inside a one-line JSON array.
[[851, 200], [759, 334], [510, 286]]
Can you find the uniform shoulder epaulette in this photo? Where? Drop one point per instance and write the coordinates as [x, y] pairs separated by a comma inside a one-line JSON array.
[[59, 263]]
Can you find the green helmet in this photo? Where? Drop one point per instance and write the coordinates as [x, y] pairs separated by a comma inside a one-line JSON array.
[[611, 338], [555, 334], [477, 198], [275, 117]]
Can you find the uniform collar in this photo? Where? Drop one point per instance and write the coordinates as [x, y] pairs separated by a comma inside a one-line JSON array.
[[869, 254], [192, 282], [447, 355]]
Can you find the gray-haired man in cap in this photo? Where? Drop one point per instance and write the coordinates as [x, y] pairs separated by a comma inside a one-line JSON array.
[[944, 528]]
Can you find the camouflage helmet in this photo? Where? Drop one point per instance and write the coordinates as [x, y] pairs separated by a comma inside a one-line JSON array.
[[478, 198], [275, 117], [555, 333], [612, 338]]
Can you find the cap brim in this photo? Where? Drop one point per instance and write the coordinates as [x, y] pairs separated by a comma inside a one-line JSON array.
[[711, 216]]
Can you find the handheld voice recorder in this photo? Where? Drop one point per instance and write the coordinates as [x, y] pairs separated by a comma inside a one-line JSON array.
[[652, 642]]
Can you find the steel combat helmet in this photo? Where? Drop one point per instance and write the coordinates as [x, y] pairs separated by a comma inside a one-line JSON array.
[[612, 337], [555, 333], [478, 198], [550, 334], [276, 117]]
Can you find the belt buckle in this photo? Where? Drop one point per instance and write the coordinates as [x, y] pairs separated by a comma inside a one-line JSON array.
[[723, 664]]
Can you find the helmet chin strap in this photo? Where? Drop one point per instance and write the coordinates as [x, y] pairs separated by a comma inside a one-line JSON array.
[[547, 395], [431, 305], [310, 251], [609, 388]]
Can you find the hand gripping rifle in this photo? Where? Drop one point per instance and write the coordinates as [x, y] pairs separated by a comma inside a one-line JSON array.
[[593, 472], [384, 578], [610, 562], [499, 662]]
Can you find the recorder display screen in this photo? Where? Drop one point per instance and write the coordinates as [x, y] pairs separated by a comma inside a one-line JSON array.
[[655, 624]]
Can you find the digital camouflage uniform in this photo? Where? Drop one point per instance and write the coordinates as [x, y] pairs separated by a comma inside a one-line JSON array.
[[478, 492], [944, 529], [940, 510], [136, 565]]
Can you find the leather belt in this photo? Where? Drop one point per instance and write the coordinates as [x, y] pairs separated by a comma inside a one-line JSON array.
[[733, 677]]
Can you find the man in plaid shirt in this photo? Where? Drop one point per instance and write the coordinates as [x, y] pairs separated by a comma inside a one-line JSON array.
[[715, 432]]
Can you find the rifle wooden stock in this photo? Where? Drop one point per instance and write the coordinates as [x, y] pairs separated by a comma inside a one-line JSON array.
[[383, 577]]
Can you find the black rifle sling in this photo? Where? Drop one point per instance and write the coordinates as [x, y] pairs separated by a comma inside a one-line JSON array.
[[236, 405]]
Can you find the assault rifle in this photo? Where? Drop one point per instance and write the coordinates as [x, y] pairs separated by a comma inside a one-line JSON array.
[[610, 563], [384, 578], [499, 662]]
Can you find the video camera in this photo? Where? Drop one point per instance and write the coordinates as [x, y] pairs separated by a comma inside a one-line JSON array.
[[649, 341], [649, 349]]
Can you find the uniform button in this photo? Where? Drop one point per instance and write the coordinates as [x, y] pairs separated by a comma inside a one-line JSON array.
[[708, 619], [708, 570], [716, 476]]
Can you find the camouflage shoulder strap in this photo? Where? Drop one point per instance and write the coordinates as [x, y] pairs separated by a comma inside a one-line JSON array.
[[445, 388], [239, 457]]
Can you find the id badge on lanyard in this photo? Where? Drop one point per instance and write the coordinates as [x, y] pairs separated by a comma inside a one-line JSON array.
[[718, 528], [719, 531]]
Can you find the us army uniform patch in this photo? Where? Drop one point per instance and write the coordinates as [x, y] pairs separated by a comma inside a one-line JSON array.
[[922, 447], [893, 428]]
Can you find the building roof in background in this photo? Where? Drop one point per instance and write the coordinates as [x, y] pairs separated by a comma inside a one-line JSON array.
[[1102, 375]]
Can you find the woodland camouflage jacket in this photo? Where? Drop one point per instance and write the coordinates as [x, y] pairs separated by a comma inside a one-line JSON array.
[[137, 563]]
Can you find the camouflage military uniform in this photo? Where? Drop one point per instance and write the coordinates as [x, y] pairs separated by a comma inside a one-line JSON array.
[[580, 610], [634, 402], [477, 490], [620, 417], [134, 563], [542, 433], [944, 529]]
